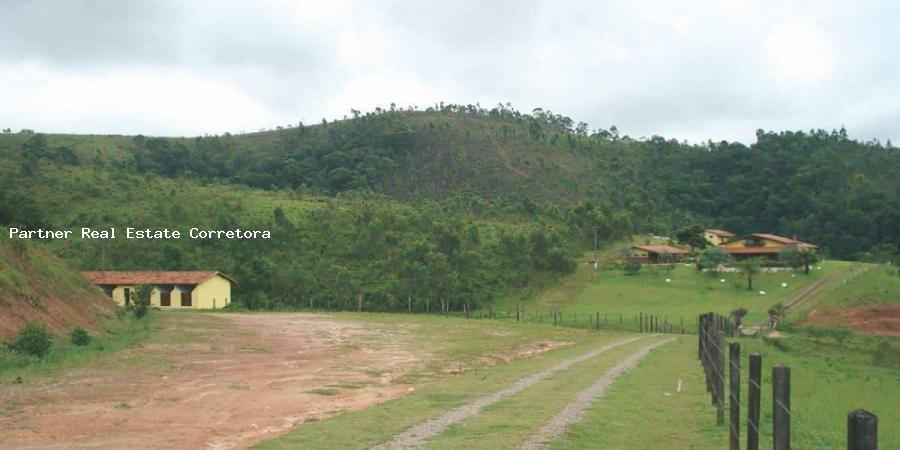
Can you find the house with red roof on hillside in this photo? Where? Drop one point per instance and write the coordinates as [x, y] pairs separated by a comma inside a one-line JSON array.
[[657, 254], [764, 245]]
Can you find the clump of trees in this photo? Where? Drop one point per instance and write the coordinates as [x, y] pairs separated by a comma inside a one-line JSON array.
[[692, 236], [712, 258]]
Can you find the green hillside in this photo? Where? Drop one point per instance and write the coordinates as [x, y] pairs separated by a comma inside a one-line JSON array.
[[455, 203]]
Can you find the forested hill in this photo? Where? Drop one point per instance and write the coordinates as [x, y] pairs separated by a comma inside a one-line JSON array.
[[820, 185]]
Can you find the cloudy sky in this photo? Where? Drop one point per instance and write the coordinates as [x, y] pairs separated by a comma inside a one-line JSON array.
[[689, 70]]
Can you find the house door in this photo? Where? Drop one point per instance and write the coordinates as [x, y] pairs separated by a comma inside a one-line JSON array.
[[165, 299], [127, 296], [186, 299]]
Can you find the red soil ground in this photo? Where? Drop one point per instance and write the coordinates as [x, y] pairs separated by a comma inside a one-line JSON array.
[[258, 376], [875, 320], [59, 300]]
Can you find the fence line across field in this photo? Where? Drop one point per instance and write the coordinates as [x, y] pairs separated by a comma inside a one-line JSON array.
[[861, 424]]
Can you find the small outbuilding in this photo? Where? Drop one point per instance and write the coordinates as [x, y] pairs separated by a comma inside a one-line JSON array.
[[198, 289], [657, 254]]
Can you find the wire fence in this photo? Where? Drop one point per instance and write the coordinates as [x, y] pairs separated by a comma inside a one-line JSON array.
[[609, 321], [862, 426]]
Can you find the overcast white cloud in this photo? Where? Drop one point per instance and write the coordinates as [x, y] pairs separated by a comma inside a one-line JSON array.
[[690, 70]]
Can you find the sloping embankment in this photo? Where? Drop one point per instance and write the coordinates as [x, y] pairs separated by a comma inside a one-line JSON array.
[[37, 286]]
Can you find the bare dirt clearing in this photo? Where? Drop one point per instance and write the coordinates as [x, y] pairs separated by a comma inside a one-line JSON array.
[[875, 320], [212, 380]]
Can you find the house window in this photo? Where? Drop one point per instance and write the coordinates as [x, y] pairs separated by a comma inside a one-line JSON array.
[[165, 299], [186, 299]]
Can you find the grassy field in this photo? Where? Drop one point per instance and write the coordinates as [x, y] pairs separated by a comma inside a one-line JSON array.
[[503, 425], [644, 410], [833, 370], [676, 293], [380, 423], [115, 335], [870, 285], [828, 379]]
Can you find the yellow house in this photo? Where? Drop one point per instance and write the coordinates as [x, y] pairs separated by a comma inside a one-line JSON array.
[[764, 245], [202, 289], [717, 237]]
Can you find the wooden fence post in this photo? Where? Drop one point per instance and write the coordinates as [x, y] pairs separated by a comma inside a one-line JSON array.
[[753, 401], [517, 312], [598, 321], [700, 338], [781, 407], [734, 383], [720, 377], [862, 430], [642, 323]]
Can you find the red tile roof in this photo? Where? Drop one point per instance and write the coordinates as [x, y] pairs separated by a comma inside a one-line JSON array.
[[779, 239], [152, 277], [752, 250], [722, 233], [661, 249]]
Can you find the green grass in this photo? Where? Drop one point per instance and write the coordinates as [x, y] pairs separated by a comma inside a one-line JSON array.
[[323, 391], [863, 285], [115, 335], [827, 381], [644, 410], [503, 425], [687, 294], [381, 422]]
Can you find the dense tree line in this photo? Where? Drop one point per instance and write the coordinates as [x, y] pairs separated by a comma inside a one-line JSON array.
[[538, 169]]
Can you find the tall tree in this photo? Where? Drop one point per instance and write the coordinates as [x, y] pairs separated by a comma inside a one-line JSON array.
[[692, 236]]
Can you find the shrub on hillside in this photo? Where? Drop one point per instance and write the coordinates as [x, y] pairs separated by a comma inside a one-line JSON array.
[[558, 261], [32, 339], [79, 337]]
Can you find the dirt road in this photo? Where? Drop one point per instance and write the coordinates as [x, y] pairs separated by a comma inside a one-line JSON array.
[[419, 434], [258, 376], [574, 411]]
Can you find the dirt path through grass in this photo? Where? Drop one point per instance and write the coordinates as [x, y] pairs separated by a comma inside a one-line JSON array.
[[574, 411], [419, 434]]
